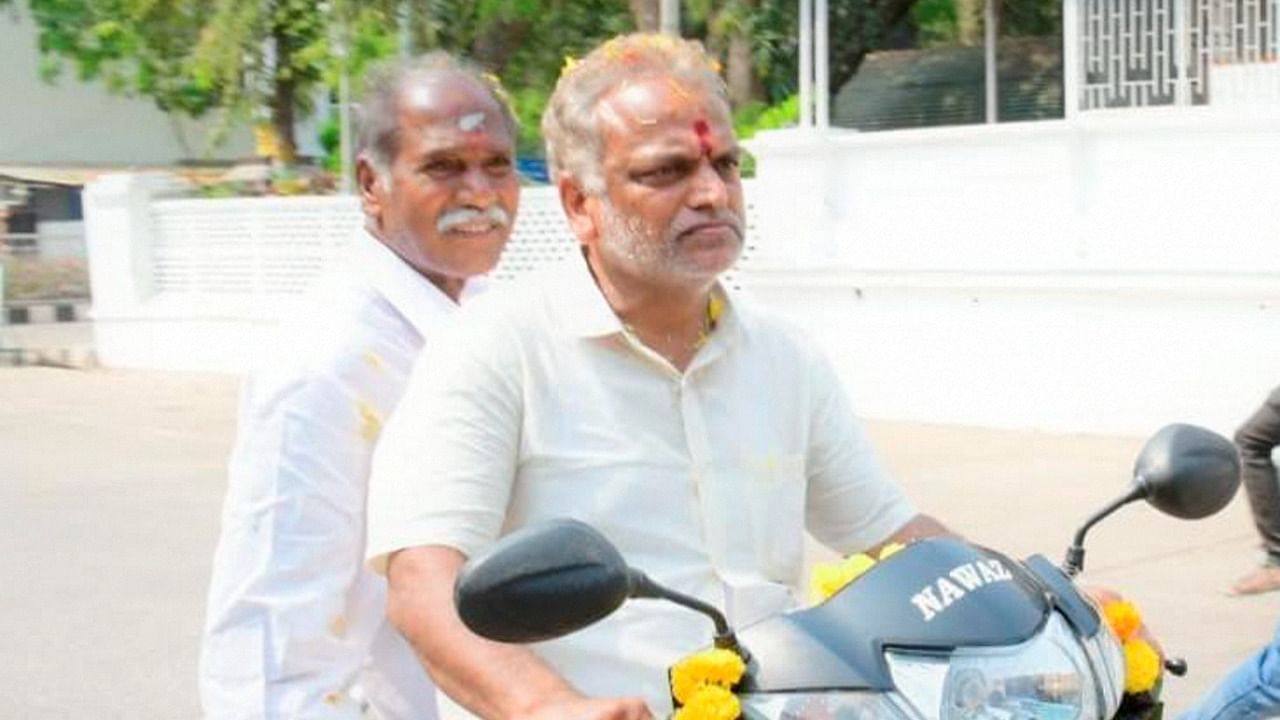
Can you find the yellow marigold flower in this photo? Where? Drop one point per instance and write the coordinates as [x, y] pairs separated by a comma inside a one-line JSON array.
[[890, 549], [718, 667], [1141, 666], [826, 580], [1123, 617], [710, 702], [829, 578]]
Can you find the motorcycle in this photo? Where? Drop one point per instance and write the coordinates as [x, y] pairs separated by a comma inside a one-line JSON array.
[[941, 630]]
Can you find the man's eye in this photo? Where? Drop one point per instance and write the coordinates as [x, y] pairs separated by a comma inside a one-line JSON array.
[[727, 163], [663, 173], [498, 165], [439, 168]]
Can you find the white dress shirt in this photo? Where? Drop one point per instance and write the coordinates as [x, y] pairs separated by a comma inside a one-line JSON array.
[[545, 406], [296, 624]]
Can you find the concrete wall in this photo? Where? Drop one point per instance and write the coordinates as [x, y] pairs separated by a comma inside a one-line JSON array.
[[74, 123], [1109, 274]]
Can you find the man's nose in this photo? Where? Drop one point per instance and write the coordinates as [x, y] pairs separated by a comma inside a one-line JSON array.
[[477, 188], [710, 190]]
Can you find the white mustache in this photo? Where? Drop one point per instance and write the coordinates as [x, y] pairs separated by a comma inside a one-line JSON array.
[[727, 217], [463, 216]]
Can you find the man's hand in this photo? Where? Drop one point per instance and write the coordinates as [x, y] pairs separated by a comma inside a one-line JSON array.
[[632, 708], [918, 527], [493, 680]]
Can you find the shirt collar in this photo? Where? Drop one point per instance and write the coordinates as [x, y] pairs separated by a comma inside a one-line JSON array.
[[585, 312], [411, 294]]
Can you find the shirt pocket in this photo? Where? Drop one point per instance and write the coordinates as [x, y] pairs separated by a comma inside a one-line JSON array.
[[774, 491]]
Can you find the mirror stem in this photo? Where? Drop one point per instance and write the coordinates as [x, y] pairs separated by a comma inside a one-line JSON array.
[[1074, 562], [725, 639]]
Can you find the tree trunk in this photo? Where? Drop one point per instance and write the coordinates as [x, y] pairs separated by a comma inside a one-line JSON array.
[[282, 102], [646, 13], [283, 98], [740, 71], [494, 46], [969, 17]]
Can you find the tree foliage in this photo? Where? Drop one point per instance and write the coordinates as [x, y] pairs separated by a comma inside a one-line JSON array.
[[269, 60], [136, 47]]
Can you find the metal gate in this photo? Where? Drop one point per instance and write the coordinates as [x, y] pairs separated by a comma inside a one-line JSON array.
[[1138, 53]]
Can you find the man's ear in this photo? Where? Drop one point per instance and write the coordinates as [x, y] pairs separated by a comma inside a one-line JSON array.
[[580, 209], [369, 185]]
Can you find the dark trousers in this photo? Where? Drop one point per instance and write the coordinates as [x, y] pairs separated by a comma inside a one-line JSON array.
[[1257, 438]]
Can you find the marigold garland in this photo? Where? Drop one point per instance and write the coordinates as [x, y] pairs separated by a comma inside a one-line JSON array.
[[828, 579], [717, 667], [1124, 618], [710, 702], [1142, 664], [702, 684], [1142, 667]]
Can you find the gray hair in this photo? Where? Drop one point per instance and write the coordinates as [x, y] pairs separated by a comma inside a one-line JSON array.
[[571, 124], [378, 137]]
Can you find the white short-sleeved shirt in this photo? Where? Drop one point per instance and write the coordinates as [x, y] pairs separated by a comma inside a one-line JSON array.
[[296, 626], [545, 407]]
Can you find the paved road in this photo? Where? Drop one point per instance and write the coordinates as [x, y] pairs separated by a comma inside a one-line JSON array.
[[110, 486]]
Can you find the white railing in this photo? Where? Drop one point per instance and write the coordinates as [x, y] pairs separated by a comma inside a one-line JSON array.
[[200, 283], [260, 247], [272, 247], [267, 248], [1144, 53]]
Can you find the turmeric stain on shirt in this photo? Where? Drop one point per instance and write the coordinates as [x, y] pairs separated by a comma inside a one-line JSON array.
[[370, 421], [338, 627]]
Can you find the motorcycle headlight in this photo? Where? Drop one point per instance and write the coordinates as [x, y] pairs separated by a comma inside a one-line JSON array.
[[820, 706], [1050, 677]]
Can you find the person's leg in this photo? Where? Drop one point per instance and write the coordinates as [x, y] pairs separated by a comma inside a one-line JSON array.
[[1250, 692], [1257, 438]]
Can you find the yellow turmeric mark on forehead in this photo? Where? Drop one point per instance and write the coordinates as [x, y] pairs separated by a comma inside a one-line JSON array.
[[678, 88], [338, 627], [370, 421]]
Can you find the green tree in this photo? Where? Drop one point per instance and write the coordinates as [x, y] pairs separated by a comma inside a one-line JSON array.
[[268, 59], [134, 47], [259, 59]]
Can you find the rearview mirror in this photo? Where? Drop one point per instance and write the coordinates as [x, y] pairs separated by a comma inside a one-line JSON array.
[[1183, 470], [545, 581], [1187, 471], [541, 582]]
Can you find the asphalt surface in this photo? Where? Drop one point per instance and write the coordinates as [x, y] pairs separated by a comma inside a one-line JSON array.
[[111, 484]]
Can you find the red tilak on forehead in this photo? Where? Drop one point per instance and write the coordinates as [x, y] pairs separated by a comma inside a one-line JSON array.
[[702, 129]]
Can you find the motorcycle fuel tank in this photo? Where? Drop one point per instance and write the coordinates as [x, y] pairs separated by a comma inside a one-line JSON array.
[[933, 596]]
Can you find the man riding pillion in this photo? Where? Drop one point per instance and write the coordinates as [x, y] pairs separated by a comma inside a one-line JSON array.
[[296, 628], [631, 390]]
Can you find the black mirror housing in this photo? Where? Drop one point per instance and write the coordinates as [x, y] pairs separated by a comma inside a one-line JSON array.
[[541, 582], [1188, 472]]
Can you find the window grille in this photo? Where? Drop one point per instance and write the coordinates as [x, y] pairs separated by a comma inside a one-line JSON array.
[[1142, 53]]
